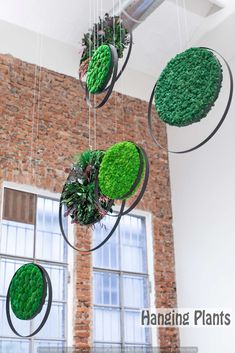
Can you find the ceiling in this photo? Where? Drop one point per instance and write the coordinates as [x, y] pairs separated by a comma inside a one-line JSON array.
[[165, 32]]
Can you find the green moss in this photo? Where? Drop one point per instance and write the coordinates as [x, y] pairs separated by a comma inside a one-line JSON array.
[[99, 69], [188, 87], [79, 196], [27, 292], [119, 170]]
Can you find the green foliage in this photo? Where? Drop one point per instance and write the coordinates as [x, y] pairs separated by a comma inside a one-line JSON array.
[[78, 195], [188, 87], [109, 30], [119, 170], [27, 292], [98, 69]]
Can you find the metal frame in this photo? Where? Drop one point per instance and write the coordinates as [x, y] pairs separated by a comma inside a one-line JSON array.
[[40, 261], [121, 274]]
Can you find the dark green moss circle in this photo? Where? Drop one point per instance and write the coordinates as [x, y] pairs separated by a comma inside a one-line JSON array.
[[27, 292], [119, 170], [188, 87], [99, 69]]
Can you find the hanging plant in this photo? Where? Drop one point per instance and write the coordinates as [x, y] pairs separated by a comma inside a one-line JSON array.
[[119, 170], [26, 295], [78, 193], [188, 87], [99, 70], [109, 30]]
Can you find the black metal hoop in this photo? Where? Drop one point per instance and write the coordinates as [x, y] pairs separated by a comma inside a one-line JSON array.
[[114, 69], [150, 125], [47, 279], [96, 247], [83, 84], [144, 157]]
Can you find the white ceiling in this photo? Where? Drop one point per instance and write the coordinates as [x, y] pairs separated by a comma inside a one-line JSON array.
[[165, 32]]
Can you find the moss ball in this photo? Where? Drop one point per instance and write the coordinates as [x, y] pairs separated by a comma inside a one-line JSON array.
[[188, 87], [98, 72], [27, 292], [119, 170]]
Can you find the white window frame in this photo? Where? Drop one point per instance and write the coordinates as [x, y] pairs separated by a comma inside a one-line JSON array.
[[70, 287], [150, 264]]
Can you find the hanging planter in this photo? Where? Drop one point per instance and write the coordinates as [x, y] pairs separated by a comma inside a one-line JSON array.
[[27, 294], [103, 46], [115, 175], [187, 89], [78, 193]]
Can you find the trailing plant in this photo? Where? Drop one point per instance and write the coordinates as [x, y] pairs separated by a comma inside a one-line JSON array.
[[79, 191], [99, 69], [119, 170], [188, 87], [109, 30]]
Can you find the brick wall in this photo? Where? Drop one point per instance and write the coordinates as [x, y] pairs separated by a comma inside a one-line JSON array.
[[44, 121]]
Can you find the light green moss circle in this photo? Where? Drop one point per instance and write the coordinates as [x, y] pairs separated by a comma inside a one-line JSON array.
[[188, 87], [119, 170], [99, 69], [27, 292]]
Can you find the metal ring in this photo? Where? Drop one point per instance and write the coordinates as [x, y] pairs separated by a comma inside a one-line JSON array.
[[8, 315], [83, 84], [141, 194], [114, 68], [150, 125]]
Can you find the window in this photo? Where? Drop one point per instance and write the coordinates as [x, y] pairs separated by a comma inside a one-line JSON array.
[[40, 241], [121, 284]]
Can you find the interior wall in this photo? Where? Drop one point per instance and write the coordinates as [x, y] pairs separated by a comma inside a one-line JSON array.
[[44, 122], [203, 194]]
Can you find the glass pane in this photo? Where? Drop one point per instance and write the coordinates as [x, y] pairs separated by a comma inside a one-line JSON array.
[[50, 244], [108, 255], [135, 291], [54, 327], [7, 270], [134, 332], [106, 288], [106, 325], [58, 276], [17, 239], [14, 346], [133, 241], [47, 346], [21, 326]]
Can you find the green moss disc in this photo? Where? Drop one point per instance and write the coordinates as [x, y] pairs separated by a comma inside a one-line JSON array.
[[119, 170], [188, 87], [27, 292], [98, 72]]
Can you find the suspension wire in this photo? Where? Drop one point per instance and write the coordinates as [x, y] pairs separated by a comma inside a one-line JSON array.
[[179, 25], [187, 36], [90, 49]]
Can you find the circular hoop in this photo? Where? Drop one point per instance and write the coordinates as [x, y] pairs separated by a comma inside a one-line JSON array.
[[150, 125], [114, 68], [96, 247], [83, 84], [144, 157], [8, 315]]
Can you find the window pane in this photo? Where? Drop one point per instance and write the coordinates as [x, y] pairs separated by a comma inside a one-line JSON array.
[[134, 333], [133, 240], [7, 270], [106, 288], [58, 276], [106, 325], [50, 245], [47, 346], [108, 255], [17, 239], [135, 293], [14, 346]]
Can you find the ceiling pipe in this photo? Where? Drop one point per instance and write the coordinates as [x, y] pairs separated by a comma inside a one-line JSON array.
[[134, 12]]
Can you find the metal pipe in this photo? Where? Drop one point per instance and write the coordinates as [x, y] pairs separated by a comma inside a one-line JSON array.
[[134, 12]]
